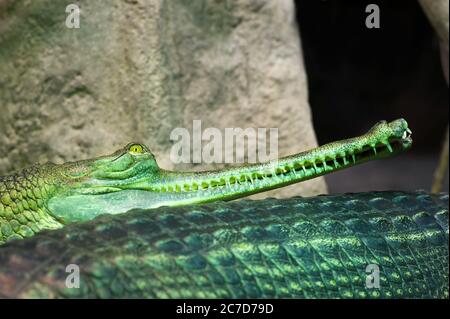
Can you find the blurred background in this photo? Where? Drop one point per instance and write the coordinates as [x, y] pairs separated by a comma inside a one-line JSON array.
[[358, 76]]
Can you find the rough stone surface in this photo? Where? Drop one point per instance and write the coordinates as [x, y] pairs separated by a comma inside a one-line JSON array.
[[437, 12], [137, 69]]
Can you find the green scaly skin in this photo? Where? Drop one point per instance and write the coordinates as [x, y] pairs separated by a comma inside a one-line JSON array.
[[51, 196], [317, 247]]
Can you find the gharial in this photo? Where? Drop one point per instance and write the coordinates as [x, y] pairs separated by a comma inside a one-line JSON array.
[[50, 196], [364, 245]]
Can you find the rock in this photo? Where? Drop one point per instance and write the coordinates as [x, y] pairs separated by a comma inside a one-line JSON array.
[[437, 12], [136, 70]]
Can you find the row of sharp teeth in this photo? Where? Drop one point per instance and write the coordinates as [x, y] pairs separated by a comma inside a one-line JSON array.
[[302, 168]]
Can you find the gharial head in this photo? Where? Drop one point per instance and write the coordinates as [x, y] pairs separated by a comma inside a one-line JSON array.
[[104, 184], [120, 170], [130, 178]]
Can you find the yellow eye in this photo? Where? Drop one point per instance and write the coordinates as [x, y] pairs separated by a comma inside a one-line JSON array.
[[136, 149]]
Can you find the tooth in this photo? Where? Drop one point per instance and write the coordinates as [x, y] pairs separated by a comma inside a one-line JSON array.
[[404, 135], [353, 158], [324, 165], [389, 147], [336, 164], [374, 150], [409, 131], [345, 159], [304, 169]]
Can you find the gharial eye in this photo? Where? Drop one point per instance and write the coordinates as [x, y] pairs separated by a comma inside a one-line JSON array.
[[136, 149]]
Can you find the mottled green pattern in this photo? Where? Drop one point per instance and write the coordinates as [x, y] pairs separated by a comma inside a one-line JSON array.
[[295, 248], [23, 197]]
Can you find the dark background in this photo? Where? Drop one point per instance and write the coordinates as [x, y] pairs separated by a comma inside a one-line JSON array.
[[358, 76]]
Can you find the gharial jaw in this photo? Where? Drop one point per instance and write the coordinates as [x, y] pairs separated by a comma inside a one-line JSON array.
[[382, 141]]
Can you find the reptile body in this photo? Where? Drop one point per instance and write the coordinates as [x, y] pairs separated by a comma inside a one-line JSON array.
[[319, 247], [51, 196]]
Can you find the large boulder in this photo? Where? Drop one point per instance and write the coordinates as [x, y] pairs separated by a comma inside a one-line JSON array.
[[137, 69]]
